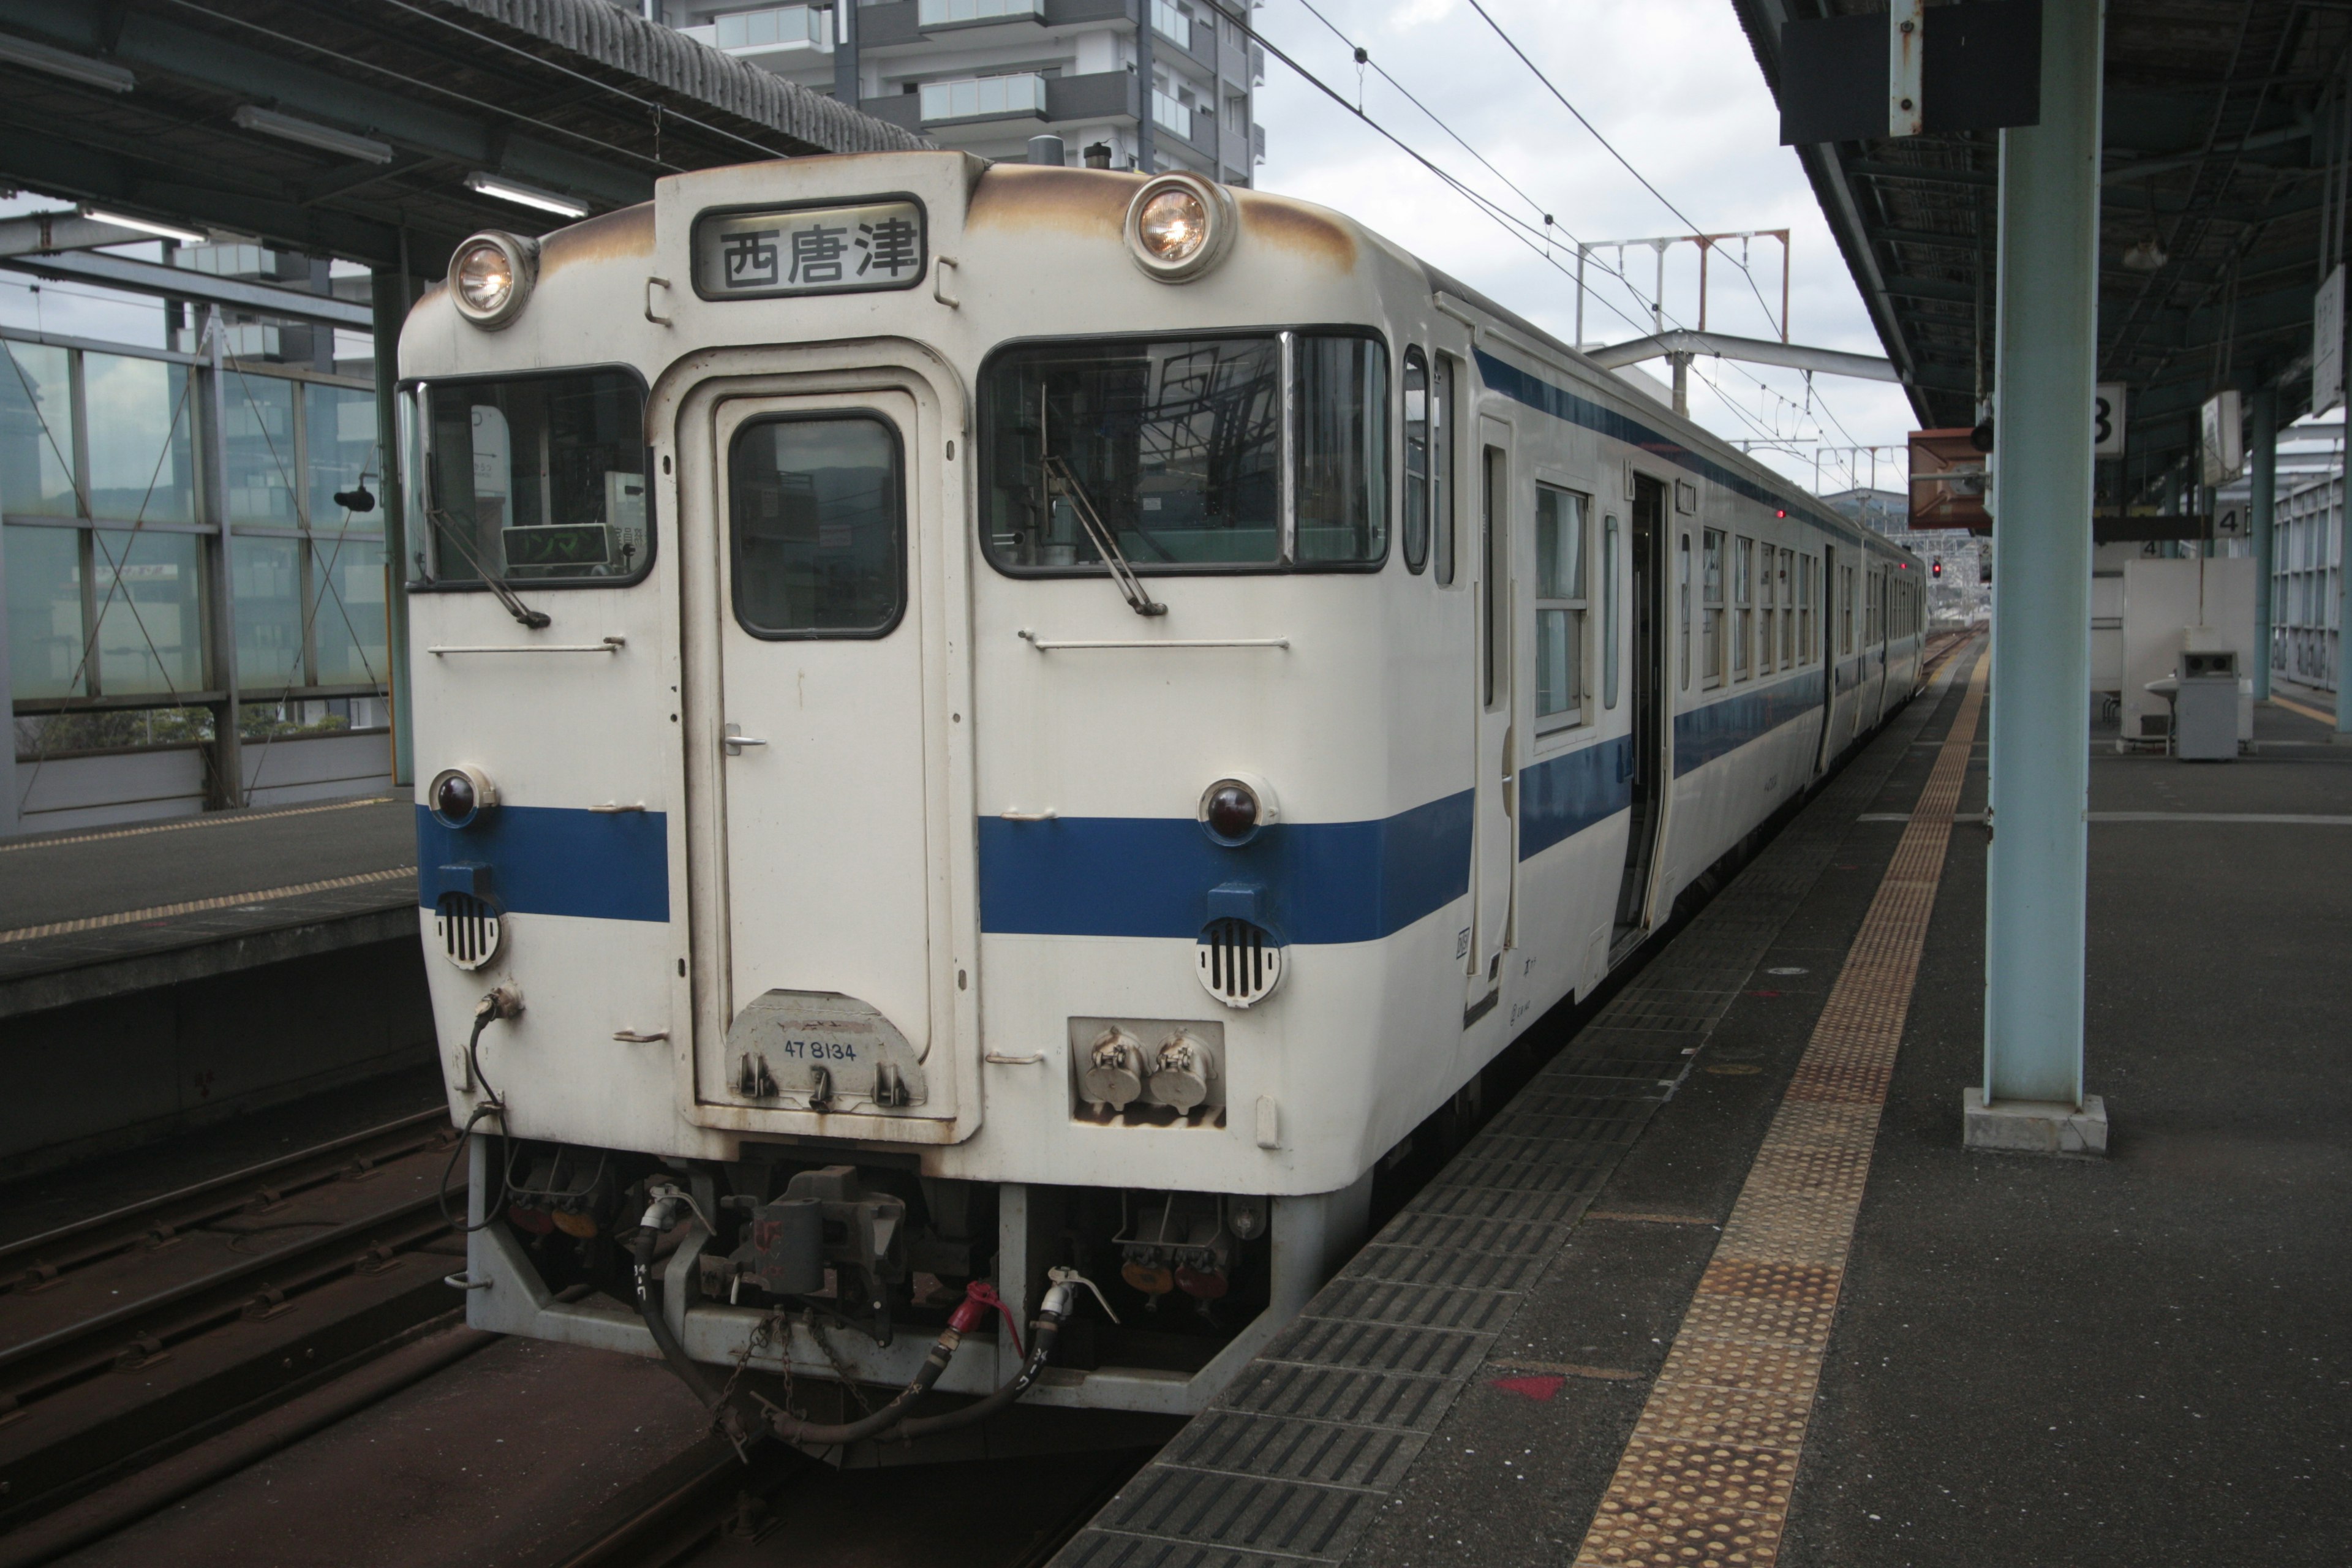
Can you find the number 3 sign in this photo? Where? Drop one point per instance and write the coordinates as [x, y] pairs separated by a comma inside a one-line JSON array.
[[2108, 420]]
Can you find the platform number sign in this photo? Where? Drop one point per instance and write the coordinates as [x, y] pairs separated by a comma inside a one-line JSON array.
[[2108, 420], [761, 255]]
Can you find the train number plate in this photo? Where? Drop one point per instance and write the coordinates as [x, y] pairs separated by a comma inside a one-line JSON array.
[[782, 251]]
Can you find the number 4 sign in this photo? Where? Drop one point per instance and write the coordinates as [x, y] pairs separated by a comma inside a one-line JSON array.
[[2108, 420]]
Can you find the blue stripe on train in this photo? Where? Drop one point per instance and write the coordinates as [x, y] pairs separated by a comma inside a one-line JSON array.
[[1322, 881], [1722, 727], [554, 861], [1563, 796]]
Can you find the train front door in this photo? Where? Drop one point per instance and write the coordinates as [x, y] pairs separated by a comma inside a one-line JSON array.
[[828, 757]]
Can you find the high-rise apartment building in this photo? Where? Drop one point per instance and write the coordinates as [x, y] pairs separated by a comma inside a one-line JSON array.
[[1145, 84]]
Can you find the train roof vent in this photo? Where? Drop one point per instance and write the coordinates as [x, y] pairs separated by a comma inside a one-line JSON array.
[[469, 928], [1240, 964]]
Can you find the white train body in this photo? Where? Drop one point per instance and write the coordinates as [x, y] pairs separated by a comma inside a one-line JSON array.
[[742, 771]]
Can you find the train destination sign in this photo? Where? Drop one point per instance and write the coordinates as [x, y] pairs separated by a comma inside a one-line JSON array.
[[809, 250]]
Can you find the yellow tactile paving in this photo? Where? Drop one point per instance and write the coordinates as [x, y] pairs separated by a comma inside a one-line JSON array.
[[1705, 1479], [198, 906]]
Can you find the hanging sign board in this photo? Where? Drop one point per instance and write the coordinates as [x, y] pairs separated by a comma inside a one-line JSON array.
[[2328, 343], [2224, 444], [2108, 420]]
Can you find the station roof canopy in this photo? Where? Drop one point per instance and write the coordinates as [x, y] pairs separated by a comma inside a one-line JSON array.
[[2223, 132], [350, 128]]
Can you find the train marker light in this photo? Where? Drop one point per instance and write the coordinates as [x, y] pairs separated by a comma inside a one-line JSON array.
[[459, 795], [1180, 225], [491, 277], [1234, 807]]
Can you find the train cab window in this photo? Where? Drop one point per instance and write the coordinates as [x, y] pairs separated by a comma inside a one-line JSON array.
[[1176, 446], [816, 525], [1418, 489], [1682, 607], [539, 478], [1710, 662], [1561, 606], [1443, 491], [1743, 606]]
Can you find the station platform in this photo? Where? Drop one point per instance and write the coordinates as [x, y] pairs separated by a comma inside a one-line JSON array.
[[85, 914], [1721, 1285], [156, 975]]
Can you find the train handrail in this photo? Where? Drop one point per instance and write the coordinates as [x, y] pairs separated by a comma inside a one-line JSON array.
[[1045, 644]]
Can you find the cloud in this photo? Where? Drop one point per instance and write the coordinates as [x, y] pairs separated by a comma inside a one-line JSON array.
[[1673, 86]]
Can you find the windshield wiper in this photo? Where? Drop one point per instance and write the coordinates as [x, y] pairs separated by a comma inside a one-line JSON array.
[[534, 619], [1061, 481]]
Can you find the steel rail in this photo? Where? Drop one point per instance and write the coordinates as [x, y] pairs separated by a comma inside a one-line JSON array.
[[146, 1209], [286, 1260]]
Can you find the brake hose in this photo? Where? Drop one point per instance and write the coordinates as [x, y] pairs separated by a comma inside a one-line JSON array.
[[969, 1313]]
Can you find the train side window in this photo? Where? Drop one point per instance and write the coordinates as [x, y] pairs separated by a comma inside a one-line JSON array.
[[1341, 408], [1743, 606], [1441, 480], [1765, 612], [1806, 567], [1562, 518], [1787, 609], [1490, 571], [1710, 664], [1417, 476], [1845, 611], [817, 527], [1682, 606]]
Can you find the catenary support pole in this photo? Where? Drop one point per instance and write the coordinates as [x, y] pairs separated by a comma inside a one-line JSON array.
[[225, 786], [2044, 370], [2262, 509]]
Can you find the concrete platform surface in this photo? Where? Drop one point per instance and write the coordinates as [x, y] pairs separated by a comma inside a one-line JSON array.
[[2098, 1361], [110, 898]]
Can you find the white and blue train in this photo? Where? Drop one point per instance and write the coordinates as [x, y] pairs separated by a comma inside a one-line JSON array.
[[985, 721]]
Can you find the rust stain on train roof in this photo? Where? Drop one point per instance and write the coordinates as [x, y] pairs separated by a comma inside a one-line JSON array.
[[1033, 196], [625, 233], [1294, 226]]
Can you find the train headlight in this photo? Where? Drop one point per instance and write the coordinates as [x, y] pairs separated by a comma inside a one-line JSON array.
[[1234, 809], [491, 277], [458, 796], [1180, 225]]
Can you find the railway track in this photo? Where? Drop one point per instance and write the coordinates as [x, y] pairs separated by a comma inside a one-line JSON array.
[[129, 1336]]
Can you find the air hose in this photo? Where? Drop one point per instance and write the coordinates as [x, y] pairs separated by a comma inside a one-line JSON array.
[[892, 1418]]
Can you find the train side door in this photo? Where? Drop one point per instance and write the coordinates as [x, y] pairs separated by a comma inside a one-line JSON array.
[[827, 778], [1495, 858], [1826, 629], [1647, 764]]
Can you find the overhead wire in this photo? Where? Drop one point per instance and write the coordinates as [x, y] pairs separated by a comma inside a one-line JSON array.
[[1526, 233]]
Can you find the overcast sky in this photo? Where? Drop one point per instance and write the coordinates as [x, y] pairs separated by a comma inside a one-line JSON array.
[[1672, 85]]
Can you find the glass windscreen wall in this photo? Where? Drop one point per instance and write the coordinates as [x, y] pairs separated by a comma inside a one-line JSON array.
[[116, 572], [1175, 447]]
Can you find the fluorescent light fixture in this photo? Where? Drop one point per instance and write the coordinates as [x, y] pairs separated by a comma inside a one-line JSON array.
[[310, 133], [147, 226], [507, 190], [59, 62]]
